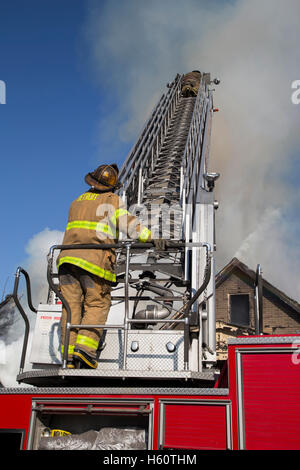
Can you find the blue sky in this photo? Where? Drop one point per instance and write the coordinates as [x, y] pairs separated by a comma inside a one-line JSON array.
[[48, 126]]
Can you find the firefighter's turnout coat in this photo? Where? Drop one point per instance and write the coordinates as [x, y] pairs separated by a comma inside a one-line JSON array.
[[96, 217], [86, 275]]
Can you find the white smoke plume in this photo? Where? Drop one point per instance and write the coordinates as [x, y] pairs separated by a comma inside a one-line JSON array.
[[253, 47], [12, 324], [36, 264]]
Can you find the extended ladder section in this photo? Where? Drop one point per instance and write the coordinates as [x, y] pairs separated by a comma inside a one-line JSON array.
[[162, 319], [166, 181]]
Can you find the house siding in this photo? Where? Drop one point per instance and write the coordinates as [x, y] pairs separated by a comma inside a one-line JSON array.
[[278, 316]]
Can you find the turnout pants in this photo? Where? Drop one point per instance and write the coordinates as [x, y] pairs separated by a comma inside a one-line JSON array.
[[89, 297]]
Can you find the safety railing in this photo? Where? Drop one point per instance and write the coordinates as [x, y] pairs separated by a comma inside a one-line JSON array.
[[195, 158], [181, 316], [19, 306], [140, 161], [128, 245]]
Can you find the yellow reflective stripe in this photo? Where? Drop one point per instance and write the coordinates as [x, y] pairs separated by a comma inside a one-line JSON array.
[[105, 229], [82, 224], [70, 349], [92, 268], [144, 235], [117, 214], [86, 341], [85, 224]]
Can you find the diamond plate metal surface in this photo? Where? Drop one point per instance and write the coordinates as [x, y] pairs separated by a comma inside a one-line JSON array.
[[265, 340], [151, 353], [96, 374], [113, 391]]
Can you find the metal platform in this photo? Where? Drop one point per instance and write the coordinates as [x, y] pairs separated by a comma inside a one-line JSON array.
[[57, 377], [265, 340], [172, 391]]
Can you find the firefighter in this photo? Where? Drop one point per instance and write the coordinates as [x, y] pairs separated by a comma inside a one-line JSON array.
[[86, 276], [190, 83]]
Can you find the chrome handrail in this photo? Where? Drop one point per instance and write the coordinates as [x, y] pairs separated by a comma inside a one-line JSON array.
[[128, 245]]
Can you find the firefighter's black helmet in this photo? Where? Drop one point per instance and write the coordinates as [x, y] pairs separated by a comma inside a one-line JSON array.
[[104, 178]]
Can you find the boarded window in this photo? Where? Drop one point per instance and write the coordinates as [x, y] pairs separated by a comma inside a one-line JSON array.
[[239, 309]]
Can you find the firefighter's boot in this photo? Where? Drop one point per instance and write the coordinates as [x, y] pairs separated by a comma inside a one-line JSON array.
[[84, 359], [70, 365]]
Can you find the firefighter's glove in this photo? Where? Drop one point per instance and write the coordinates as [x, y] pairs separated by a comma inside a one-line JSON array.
[[160, 244]]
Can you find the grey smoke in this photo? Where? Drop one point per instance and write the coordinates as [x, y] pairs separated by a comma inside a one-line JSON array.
[[7, 317], [11, 323], [253, 47]]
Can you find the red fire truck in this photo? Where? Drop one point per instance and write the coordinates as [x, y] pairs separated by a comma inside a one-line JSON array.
[[253, 405]]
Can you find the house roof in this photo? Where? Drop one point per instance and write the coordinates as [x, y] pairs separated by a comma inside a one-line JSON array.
[[237, 264]]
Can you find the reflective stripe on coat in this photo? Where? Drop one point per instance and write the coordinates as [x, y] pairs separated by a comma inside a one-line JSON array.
[[96, 217]]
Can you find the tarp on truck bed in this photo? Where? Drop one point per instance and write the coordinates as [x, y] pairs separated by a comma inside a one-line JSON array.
[[104, 439]]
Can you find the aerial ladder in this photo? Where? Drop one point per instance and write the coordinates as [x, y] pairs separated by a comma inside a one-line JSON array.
[[162, 320]]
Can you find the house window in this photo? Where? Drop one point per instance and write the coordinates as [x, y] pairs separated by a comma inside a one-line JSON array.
[[239, 309]]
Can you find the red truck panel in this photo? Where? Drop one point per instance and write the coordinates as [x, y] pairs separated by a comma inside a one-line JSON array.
[[15, 413], [271, 393], [196, 426]]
